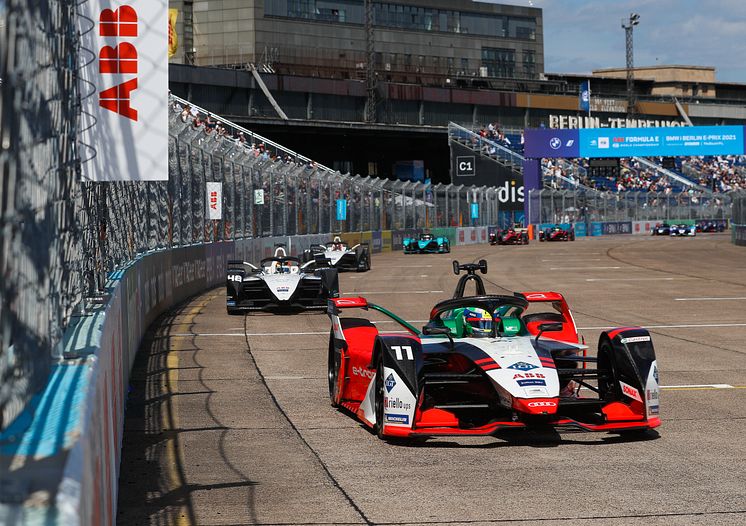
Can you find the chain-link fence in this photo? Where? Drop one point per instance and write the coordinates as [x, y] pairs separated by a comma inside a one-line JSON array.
[[563, 206], [272, 191], [44, 221], [739, 208]]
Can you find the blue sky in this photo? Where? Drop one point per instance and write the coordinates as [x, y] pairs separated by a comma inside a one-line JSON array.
[[582, 35]]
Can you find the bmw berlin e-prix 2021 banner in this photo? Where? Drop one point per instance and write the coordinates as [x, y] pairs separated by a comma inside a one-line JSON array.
[[634, 142], [124, 90]]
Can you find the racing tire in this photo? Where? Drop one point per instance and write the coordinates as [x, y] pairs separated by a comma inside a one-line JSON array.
[[334, 361], [378, 390], [448, 248]]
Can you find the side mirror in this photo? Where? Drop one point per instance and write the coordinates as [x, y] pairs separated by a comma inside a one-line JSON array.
[[429, 330], [483, 266], [455, 267], [547, 327], [550, 327]]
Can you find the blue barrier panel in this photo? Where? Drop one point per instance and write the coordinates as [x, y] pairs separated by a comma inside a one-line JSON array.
[[597, 229], [617, 227], [580, 230]]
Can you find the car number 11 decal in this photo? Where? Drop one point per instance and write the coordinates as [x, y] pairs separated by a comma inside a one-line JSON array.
[[401, 351]]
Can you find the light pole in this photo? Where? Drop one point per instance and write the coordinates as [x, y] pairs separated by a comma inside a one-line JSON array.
[[634, 19]]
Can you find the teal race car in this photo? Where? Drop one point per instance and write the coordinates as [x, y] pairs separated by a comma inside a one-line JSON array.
[[426, 244]]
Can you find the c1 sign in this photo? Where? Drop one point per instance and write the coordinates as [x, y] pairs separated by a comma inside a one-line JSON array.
[[124, 90], [214, 201]]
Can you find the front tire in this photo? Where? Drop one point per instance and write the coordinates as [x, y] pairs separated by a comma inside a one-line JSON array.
[[334, 361], [378, 389]]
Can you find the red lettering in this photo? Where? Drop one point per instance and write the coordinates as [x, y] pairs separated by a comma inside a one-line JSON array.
[[119, 23], [122, 59], [117, 99]]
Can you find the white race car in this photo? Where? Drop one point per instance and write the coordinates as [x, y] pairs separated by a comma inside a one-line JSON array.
[[337, 254], [279, 282]]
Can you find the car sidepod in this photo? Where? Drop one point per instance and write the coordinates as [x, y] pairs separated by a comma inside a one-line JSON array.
[[631, 390]]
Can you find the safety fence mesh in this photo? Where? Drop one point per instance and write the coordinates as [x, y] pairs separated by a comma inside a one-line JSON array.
[[739, 208]]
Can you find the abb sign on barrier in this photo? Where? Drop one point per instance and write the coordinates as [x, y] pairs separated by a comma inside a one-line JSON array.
[[124, 90], [215, 200]]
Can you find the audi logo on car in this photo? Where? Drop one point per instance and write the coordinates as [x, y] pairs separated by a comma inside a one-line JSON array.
[[542, 404], [555, 143]]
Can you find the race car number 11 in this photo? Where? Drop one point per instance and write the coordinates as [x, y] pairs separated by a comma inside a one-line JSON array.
[[401, 350]]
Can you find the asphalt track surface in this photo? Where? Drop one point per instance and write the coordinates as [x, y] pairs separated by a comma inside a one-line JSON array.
[[229, 419]]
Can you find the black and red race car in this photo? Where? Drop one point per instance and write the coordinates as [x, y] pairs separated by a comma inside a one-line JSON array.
[[710, 226], [509, 236], [486, 362], [557, 233]]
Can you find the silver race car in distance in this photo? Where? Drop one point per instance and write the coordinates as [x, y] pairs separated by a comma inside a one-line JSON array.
[[279, 282], [337, 254]]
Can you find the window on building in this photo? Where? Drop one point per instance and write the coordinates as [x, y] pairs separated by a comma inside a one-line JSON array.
[[529, 63], [499, 62]]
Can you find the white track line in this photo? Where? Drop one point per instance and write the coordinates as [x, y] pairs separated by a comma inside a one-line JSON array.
[[711, 299], [408, 266], [687, 326], [569, 260], [633, 279], [393, 292], [584, 268], [699, 386]]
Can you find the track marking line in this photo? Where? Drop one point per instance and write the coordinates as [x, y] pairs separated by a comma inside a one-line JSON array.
[[570, 260], [687, 326], [408, 266], [584, 268], [697, 386], [393, 292], [711, 299], [634, 279]]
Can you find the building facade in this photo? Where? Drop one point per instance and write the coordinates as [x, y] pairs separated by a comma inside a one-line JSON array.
[[414, 41]]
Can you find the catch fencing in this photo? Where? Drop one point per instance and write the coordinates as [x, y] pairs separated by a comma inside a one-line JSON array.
[[271, 191], [46, 238], [739, 208], [569, 206]]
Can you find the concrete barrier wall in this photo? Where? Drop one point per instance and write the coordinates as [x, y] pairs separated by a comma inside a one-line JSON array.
[[73, 429], [738, 235]]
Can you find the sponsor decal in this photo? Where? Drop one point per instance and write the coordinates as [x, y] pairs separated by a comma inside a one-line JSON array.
[[655, 374], [396, 403], [523, 366], [390, 382], [283, 289], [235, 277], [527, 375], [555, 143], [524, 383], [603, 142], [362, 371], [630, 391], [636, 339], [397, 419], [542, 404]]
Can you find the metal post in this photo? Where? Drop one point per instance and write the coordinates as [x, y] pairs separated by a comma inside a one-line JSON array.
[[370, 67], [634, 19]]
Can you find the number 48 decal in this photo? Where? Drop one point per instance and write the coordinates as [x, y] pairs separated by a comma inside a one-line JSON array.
[[401, 350]]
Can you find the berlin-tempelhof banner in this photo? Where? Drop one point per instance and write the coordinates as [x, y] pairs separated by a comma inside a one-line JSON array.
[[124, 87]]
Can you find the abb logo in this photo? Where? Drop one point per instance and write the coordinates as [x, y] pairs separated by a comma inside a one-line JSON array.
[[528, 375], [118, 59], [213, 200]]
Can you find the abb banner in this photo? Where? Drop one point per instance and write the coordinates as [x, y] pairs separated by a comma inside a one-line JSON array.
[[125, 90], [215, 200]]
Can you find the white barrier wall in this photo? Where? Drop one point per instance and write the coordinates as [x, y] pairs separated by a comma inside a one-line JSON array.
[[99, 350]]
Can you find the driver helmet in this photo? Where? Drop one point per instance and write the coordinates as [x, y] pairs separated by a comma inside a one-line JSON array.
[[337, 243], [479, 322]]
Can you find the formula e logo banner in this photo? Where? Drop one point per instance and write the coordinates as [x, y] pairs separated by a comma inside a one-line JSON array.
[[632, 142], [124, 90], [695, 140]]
